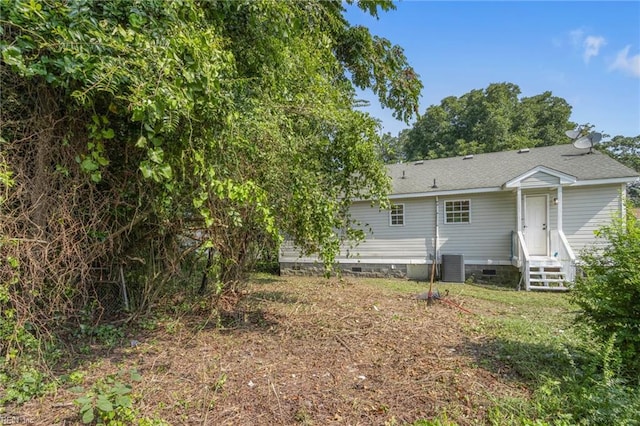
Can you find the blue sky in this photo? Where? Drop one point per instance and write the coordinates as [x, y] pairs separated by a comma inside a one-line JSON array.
[[585, 52]]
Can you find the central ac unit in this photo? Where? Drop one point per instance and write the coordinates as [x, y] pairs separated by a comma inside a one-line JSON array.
[[453, 268]]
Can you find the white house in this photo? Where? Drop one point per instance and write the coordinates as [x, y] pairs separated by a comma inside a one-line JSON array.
[[498, 217]]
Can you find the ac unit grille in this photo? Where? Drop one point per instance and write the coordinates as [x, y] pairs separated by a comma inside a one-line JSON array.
[[453, 268]]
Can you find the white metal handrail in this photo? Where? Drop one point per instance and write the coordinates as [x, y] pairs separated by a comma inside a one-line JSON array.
[[523, 254], [566, 257]]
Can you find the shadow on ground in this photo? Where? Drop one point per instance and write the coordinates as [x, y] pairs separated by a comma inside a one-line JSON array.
[[517, 361]]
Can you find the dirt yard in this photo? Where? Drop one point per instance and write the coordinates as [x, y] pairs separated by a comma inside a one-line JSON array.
[[305, 351]]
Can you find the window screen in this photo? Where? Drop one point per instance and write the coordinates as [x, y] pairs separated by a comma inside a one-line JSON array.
[[457, 211], [396, 215]]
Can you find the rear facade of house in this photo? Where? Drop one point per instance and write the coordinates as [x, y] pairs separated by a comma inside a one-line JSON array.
[[517, 217]]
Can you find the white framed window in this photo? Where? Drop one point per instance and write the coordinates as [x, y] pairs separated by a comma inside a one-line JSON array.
[[396, 215], [457, 211]]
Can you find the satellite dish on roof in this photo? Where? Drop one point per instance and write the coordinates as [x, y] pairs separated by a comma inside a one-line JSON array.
[[573, 134], [584, 141]]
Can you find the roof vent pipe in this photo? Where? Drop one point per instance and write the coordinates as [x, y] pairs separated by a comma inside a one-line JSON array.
[[403, 176], [434, 186]]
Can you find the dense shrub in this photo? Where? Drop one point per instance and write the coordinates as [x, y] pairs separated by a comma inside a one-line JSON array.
[[608, 294]]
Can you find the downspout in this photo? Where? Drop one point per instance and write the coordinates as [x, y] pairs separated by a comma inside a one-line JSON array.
[[519, 209], [560, 207], [435, 249], [623, 201]]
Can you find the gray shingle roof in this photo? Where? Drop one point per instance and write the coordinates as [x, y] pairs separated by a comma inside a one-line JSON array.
[[492, 170]]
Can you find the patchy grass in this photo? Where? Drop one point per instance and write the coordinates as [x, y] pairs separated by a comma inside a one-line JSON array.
[[313, 351]]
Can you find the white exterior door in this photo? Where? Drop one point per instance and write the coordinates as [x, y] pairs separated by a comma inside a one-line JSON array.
[[535, 224]]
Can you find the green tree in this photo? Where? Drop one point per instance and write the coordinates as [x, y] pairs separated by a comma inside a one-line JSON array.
[[627, 151], [136, 132], [489, 120], [390, 147], [609, 291]]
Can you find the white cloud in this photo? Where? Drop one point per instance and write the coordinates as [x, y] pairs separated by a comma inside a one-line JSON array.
[[627, 64], [592, 45], [589, 45], [576, 37]]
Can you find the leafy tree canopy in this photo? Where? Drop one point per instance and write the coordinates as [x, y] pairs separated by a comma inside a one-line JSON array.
[[627, 151], [624, 149], [488, 120], [133, 129]]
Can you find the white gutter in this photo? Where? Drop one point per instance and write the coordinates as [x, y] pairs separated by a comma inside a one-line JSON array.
[[449, 192], [605, 181]]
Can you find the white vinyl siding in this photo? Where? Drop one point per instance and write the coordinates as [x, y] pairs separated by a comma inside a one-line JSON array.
[[396, 215], [457, 211], [486, 239], [585, 210], [488, 236], [540, 179], [411, 242]]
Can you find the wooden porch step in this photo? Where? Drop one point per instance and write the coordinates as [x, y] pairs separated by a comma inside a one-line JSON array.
[[540, 287], [546, 273]]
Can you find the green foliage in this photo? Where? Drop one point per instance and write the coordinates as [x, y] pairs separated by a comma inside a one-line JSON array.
[[390, 148], [593, 394], [224, 124], [22, 386], [105, 334], [20, 378], [574, 379], [489, 120], [109, 401], [588, 392], [624, 149], [609, 291], [627, 151]]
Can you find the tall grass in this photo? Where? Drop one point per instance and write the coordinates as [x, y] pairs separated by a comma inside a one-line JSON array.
[[573, 379]]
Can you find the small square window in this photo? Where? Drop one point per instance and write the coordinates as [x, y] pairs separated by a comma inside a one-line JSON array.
[[396, 215], [457, 211]]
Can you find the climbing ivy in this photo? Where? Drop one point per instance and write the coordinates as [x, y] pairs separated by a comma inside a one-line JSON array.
[[131, 126]]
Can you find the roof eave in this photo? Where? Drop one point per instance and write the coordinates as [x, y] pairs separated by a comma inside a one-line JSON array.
[[605, 181], [444, 192]]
